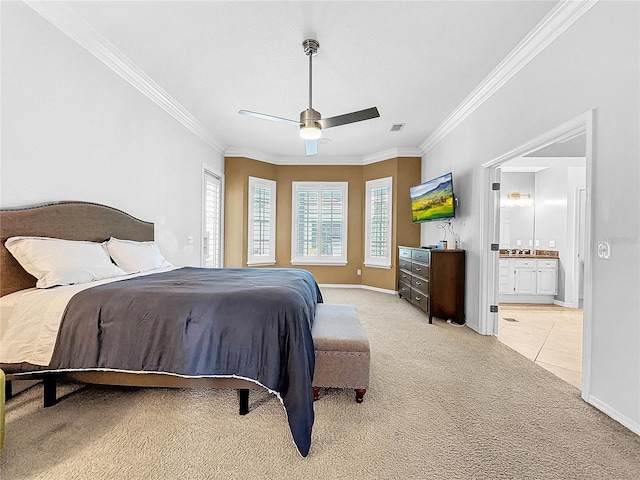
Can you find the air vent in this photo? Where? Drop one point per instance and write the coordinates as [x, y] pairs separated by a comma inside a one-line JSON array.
[[396, 127]]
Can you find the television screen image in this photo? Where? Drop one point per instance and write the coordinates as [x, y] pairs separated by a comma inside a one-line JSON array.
[[433, 200]]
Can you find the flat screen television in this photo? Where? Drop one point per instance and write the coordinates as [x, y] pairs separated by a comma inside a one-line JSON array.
[[433, 200]]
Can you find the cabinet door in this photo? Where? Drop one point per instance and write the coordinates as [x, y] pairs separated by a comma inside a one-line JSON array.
[[547, 281], [525, 280]]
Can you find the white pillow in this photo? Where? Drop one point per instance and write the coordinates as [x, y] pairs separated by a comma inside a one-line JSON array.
[[132, 256], [54, 261]]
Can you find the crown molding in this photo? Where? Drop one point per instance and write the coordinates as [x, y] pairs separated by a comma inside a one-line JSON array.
[[566, 131], [252, 154], [290, 160], [559, 19], [78, 29], [391, 153], [320, 160]]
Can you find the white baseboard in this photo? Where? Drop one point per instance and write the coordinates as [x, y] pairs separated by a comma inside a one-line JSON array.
[[613, 413], [365, 287], [563, 304], [522, 298]]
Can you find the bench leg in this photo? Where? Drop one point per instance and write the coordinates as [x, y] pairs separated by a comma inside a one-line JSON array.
[[360, 394], [316, 393]]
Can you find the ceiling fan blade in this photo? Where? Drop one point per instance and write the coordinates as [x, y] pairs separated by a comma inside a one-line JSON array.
[[349, 118], [264, 116], [311, 146]]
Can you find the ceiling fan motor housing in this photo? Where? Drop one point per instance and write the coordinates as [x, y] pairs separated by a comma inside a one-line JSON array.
[[310, 128], [309, 117]]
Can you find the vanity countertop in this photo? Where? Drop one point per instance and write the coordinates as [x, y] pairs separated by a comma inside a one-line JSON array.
[[526, 253], [528, 256]]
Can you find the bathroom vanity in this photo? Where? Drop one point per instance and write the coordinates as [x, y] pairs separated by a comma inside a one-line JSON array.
[[527, 276]]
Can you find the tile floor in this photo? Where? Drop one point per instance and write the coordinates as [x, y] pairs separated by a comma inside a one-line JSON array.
[[549, 335]]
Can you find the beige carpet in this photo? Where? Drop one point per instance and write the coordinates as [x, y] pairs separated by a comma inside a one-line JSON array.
[[444, 403]]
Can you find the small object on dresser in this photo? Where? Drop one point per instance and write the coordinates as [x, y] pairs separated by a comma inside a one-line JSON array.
[[442, 244]]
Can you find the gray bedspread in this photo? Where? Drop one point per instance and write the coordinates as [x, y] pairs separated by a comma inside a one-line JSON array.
[[248, 322]]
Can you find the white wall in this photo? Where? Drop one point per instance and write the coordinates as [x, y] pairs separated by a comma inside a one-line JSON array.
[[74, 130], [593, 65]]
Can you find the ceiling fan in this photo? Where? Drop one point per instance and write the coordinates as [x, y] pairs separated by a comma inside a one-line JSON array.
[[311, 122]]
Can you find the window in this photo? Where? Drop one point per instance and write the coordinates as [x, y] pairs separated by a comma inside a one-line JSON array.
[[377, 248], [262, 221], [212, 221], [319, 223]]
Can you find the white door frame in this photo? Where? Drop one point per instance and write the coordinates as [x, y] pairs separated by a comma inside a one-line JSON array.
[[579, 250], [490, 232]]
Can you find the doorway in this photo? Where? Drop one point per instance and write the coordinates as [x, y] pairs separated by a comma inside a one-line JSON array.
[[577, 258], [540, 314]]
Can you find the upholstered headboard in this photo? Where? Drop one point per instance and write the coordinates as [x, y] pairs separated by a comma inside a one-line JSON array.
[[67, 220]]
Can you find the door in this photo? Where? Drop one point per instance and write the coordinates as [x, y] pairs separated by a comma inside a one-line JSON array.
[[212, 220]]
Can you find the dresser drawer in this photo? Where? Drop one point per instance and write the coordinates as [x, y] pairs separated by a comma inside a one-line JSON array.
[[420, 269], [419, 284], [419, 299], [405, 253], [405, 277], [420, 255], [404, 264], [404, 290]]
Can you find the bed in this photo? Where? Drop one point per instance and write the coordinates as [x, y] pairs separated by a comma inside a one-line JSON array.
[[170, 327]]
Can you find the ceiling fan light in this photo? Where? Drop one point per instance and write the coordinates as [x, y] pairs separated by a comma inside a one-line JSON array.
[[310, 132]]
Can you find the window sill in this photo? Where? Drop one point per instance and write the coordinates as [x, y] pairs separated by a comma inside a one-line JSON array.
[[325, 264], [372, 265], [260, 264]]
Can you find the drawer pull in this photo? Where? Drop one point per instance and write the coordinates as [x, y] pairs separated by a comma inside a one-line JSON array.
[[418, 283], [417, 299], [418, 269]]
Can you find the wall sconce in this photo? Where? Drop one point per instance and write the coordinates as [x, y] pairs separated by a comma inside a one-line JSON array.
[[517, 199]]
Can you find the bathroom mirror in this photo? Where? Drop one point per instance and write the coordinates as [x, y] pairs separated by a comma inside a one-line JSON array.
[[537, 197], [517, 209]]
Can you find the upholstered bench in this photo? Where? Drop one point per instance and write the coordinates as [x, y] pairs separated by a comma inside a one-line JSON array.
[[342, 350]]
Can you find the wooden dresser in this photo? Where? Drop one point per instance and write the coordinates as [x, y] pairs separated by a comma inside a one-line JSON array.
[[433, 281]]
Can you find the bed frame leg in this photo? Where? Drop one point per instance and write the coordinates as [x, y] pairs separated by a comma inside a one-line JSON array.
[[8, 390], [49, 391], [244, 400]]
